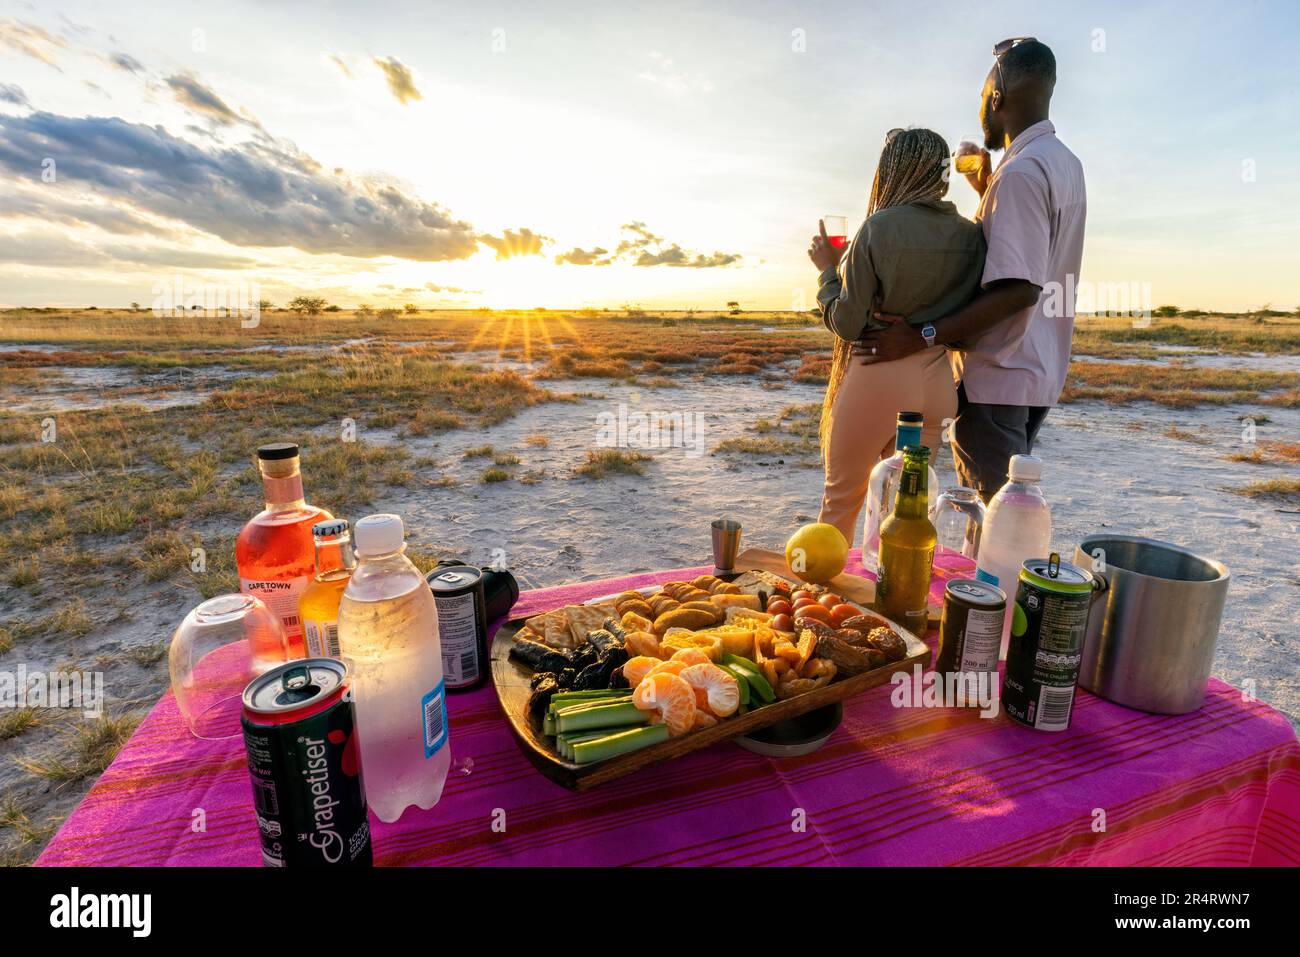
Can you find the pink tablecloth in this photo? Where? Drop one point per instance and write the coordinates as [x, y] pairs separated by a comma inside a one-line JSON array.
[[892, 786]]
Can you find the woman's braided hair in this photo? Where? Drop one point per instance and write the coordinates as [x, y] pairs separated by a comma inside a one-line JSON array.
[[913, 167]]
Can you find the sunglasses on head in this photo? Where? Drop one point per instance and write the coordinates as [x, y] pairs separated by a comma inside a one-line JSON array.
[[1002, 48]]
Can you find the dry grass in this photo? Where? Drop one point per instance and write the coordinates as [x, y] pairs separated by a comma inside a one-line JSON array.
[[793, 434], [602, 463], [15, 722], [1217, 334], [26, 837], [86, 750], [1174, 385], [1270, 452], [1285, 490]]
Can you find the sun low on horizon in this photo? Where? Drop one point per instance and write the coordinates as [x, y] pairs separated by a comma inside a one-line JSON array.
[[458, 159]]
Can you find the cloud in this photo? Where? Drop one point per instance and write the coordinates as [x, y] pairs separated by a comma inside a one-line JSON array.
[[126, 62], [339, 62], [577, 256], [197, 97], [13, 93], [455, 290], [511, 243], [57, 209], [674, 255], [54, 250], [399, 79], [31, 40], [662, 72], [258, 194], [640, 247]]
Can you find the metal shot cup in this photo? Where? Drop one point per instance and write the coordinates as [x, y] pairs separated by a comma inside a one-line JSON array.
[[726, 545]]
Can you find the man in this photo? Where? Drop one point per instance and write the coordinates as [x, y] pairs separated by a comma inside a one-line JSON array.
[[1012, 341]]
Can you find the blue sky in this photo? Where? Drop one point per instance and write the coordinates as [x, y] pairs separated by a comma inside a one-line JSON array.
[[449, 154]]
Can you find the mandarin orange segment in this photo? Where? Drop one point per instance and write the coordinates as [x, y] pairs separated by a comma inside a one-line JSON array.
[[690, 656], [715, 689], [635, 669], [670, 697], [703, 720], [666, 667]]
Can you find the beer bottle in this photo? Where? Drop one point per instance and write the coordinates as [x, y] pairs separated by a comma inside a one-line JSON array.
[[907, 540]]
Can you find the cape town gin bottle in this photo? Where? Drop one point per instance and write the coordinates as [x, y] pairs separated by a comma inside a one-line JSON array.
[[275, 553]]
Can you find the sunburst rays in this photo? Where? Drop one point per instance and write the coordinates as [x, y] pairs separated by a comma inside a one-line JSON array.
[[514, 334]]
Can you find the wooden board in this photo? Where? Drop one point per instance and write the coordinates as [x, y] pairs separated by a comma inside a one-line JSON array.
[[511, 681]]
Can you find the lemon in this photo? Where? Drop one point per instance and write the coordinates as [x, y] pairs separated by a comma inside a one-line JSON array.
[[817, 552]]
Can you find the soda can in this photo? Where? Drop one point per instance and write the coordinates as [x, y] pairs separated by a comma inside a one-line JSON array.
[[462, 624], [1047, 633], [303, 759], [970, 631]]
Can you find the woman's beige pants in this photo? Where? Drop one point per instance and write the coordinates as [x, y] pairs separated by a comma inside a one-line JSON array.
[[864, 423]]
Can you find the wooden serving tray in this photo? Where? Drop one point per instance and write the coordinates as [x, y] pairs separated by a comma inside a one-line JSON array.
[[511, 681]]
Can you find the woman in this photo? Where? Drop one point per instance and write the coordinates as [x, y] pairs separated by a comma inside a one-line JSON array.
[[915, 256]]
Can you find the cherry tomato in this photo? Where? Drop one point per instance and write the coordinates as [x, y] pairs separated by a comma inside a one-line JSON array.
[[830, 600], [801, 593], [804, 602], [783, 623], [779, 606], [842, 613], [813, 611]]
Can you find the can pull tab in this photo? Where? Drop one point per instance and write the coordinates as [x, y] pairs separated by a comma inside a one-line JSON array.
[[296, 685], [1054, 565]]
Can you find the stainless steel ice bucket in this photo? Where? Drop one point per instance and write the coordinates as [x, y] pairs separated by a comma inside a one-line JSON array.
[[1153, 623]]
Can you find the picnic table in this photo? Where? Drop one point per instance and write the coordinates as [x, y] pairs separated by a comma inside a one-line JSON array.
[[909, 786]]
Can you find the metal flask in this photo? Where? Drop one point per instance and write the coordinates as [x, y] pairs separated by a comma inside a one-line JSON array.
[[1154, 621]]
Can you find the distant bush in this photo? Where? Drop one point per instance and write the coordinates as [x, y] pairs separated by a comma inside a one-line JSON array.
[[332, 308], [364, 311], [1164, 312], [388, 313], [307, 305], [411, 308]]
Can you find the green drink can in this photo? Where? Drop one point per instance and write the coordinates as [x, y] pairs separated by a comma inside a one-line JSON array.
[[1050, 620]]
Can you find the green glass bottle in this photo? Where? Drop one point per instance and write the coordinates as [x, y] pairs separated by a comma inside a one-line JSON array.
[[907, 540]]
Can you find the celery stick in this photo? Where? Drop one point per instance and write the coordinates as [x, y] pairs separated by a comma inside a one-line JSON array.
[[562, 699], [548, 723], [565, 742], [592, 703], [582, 718], [622, 742]]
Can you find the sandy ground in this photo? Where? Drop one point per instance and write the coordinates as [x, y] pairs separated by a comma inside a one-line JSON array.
[[1107, 467]]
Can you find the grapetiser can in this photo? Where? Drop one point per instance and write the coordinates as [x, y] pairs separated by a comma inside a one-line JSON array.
[[299, 732]]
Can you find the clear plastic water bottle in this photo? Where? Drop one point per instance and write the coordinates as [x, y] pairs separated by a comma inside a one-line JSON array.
[[882, 487], [388, 635], [1017, 527]]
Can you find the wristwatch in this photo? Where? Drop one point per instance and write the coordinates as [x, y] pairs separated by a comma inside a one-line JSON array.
[[928, 333]]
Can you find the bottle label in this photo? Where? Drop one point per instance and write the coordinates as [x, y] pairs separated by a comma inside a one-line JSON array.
[[281, 596], [322, 638], [983, 576], [458, 634], [434, 716], [911, 483]]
